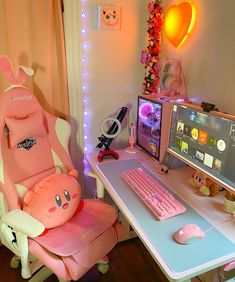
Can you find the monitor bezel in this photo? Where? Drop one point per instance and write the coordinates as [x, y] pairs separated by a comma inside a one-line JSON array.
[[186, 161], [137, 125]]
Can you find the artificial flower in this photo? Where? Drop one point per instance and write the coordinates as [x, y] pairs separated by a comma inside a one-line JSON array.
[[150, 56]]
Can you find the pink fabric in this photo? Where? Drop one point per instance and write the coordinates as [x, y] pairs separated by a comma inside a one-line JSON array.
[[75, 266], [50, 260], [25, 127], [54, 200], [72, 248], [7, 68], [90, 235], [34, 179], [81, 230], [23, 163], [81, 262]]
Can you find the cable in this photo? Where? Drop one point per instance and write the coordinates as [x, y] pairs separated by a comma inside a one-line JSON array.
[[217, 225]]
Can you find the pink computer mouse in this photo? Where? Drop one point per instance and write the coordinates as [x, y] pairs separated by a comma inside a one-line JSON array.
[[189, 234]]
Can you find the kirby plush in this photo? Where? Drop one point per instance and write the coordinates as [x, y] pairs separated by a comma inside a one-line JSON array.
[[54, 200], [205, 185]]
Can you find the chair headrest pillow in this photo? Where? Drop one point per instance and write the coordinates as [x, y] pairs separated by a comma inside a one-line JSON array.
[[22, 128]]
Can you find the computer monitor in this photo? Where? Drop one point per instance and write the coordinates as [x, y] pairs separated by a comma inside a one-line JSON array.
[[153, 119], [205, 141]]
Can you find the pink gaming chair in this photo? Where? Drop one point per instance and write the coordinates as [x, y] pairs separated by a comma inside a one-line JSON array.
[[33, 146]]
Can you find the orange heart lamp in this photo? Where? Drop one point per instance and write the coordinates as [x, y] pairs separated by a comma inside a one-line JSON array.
[[178, 23]]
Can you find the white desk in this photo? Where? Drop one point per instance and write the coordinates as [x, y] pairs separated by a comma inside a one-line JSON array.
[[210, 209]]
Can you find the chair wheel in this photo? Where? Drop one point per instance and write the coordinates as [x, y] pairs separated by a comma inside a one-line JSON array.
[[15, 262], [103, 268]]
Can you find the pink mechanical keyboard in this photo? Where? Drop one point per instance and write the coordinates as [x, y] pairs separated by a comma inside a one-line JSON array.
[[162, 203]]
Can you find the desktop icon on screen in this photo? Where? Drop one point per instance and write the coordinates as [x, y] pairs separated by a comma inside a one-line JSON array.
[[202, 137], [194, 133]]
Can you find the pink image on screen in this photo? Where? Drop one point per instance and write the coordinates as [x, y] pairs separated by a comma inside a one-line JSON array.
[[145, 109]]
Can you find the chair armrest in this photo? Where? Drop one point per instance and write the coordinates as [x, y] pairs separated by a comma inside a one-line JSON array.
[[3, 205], [22, 222]]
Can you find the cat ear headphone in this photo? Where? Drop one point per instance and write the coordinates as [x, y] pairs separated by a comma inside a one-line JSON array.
[[171, 76]]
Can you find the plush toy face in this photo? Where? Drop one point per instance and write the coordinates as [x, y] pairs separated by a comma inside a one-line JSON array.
[[54, 200], [200, 179]]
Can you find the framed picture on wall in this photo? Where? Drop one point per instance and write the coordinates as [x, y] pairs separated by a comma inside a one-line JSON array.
[[109, 17]]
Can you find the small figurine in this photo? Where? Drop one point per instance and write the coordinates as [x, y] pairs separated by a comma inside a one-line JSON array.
[[205, 185]]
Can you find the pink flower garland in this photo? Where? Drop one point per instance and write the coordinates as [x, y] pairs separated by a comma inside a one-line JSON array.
[[150, 56]]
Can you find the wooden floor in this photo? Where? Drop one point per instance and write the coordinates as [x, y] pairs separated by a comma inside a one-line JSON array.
[[129, 262]]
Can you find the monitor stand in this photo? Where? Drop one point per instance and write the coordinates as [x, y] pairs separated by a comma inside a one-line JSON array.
[[170, 162]]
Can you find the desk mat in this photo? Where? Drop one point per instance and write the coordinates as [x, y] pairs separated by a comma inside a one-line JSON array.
[[179, 258]]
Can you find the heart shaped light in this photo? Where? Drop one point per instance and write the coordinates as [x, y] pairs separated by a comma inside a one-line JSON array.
[[178, 23]]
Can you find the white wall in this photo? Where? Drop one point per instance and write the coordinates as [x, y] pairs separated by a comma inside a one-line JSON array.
[[114, 70], [208, 56], [115, 73]]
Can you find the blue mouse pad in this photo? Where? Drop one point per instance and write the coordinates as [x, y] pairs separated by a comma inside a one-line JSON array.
[[160, 233]]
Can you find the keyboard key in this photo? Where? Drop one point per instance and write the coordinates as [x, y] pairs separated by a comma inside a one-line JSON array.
[[160, 201]]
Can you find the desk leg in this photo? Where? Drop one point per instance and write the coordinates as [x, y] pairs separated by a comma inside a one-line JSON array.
[[99, 185], [128, 233], [211, 276]]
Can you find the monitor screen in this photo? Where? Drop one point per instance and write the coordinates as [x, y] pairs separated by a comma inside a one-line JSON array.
[[149, 126], [206, 141]]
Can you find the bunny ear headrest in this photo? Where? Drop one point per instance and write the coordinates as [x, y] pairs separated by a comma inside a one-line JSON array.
[[22, 72], [7, 68]]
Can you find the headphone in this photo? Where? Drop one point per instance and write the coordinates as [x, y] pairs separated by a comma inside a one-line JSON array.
[[171, 76]]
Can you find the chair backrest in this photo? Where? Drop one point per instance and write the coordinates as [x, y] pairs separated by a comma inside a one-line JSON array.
[[33, 144]]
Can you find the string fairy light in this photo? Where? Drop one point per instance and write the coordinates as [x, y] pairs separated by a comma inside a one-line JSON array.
[[85, 48]]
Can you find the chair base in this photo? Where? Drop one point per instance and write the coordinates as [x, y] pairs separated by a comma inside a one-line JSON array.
[[15, 262], [41, 275], [45, 272]]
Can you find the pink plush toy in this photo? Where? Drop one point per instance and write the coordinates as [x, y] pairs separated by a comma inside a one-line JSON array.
[[54, 200], [205, 185]]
